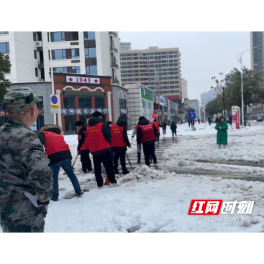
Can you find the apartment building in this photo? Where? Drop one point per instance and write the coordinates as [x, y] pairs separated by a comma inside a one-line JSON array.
[[256, 55], [32, 54], [158, 69], [125, 46]]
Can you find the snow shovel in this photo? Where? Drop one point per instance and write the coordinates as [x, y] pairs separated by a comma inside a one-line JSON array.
[[129, 162]]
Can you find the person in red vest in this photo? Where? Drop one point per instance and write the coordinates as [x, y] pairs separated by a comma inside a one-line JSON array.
[[146, 134], [157, 125], [99, 138], [83, 147], [59, 154], [119, 144]]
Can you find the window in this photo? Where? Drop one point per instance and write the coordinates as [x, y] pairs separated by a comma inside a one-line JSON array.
[[69, 101], [4, 32], [76, 69], [91, 69], [144, 104], [34, 36], [57, 36], [75, 54], [4, 47], [90, 52], [60, 69], [35, 54], [89, 35], [99, 102], [36, 72], [58, 54], [85, 101]]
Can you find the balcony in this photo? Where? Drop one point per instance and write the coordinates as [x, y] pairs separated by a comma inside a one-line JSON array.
[[112, 48], [115, 80], [114, 65], [113, 33]]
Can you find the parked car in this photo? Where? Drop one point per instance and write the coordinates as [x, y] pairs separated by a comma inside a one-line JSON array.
[[260, 119]]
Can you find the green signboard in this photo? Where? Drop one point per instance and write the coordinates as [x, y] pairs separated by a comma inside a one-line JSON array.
[[146, 93]]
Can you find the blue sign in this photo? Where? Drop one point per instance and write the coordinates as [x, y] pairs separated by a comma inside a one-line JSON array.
[[54, 99], [192, 114]]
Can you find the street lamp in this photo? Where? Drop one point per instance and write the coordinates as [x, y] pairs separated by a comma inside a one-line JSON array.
[[242, 97]]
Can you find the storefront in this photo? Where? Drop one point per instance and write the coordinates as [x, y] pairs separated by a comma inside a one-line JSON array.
[[120, 103], [146, 98], [82, 95], [157, 107]]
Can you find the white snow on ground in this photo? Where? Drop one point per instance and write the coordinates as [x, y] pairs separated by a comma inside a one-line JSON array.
[[150, 200], [245, 145]]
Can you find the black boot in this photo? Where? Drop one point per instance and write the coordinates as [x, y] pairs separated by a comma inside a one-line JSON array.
[[125, 171]]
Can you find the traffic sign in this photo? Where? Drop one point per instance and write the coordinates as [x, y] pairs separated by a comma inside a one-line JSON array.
[[54, 104], [192, 114]]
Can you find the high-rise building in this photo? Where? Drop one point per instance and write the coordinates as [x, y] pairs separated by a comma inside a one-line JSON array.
[[184, 88], [207, 97], [257, 62], [32, 54], [158, 69], [125, 46]]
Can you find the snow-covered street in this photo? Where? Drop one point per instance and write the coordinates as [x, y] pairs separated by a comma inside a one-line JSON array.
[[151, 200]]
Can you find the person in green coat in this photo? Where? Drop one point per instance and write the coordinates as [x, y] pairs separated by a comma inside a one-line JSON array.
[[221, 128]]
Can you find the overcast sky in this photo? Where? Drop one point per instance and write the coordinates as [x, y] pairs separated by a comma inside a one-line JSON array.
[[203, 54]]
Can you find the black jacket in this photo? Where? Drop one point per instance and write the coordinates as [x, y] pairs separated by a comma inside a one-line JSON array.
[[59, 156], [173, 127], [145, 122], [81, 141], [106, 132], [122, 123]]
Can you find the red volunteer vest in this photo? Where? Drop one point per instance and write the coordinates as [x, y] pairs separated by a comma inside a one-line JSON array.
[[147, 133], [117, 136], [54, 143], [85, 145], [157, 126], [96, 138]]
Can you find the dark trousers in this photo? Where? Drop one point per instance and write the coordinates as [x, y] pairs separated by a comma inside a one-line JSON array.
[[67, 167], [86, 162], [149, 149], [122, 156], [174, 133], [157, 137], [104, 158]]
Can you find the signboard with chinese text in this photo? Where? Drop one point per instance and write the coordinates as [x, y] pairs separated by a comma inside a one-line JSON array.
[[54, 104], [146, 93], [236, 116]]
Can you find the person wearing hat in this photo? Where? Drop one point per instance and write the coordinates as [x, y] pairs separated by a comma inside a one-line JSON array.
[[146, 134], [24, 167], [119, 144], [83, 146], [99, 138], [59, 154]]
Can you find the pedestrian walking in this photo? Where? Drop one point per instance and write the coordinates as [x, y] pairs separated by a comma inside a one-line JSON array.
[[83, 147], [164, 125], [23, 166], [157, 124], [221, 128], [146, 134], [59, 154], [209, 121], [173, 128], [189, 122], [216, 120], [119, 144], [99, 138], [199, 121]]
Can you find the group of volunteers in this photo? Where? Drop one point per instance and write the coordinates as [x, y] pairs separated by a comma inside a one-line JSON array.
[[30, 164]]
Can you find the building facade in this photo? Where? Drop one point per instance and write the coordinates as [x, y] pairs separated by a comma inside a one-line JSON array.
[[125, 46], [158, 69], [195, 105], [120, 103], [184, 88], [256, 55], [32, 54]]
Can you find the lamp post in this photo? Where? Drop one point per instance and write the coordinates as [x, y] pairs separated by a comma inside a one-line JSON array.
[[242, 97]]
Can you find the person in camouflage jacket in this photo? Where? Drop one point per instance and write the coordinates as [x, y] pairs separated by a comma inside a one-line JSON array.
[[23, 167]]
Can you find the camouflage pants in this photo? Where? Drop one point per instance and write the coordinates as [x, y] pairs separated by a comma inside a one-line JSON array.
[[25, 225]]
